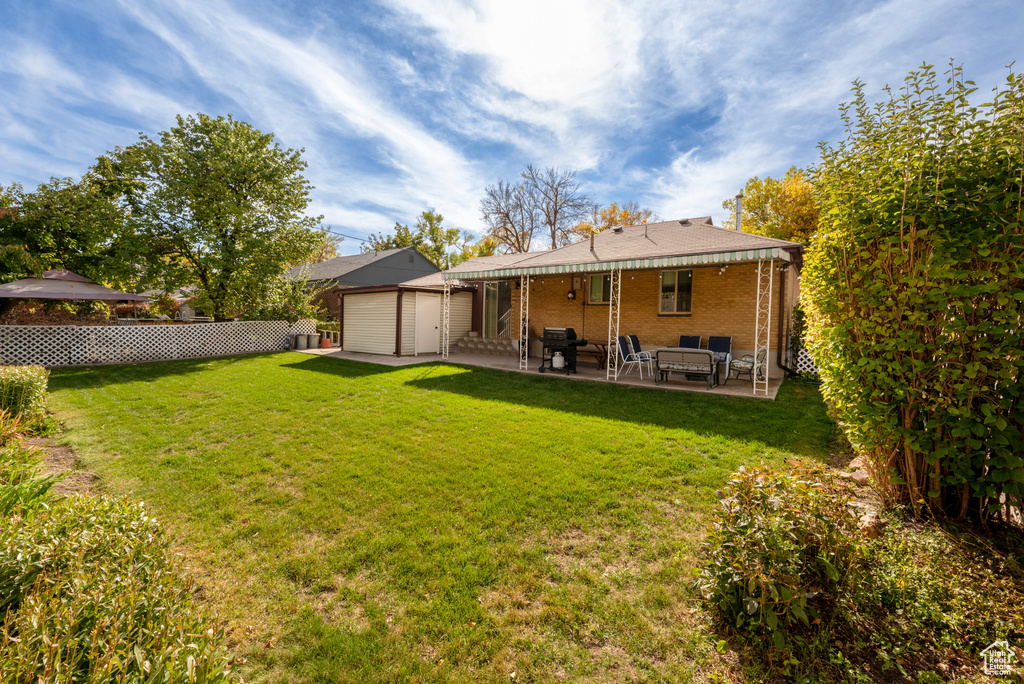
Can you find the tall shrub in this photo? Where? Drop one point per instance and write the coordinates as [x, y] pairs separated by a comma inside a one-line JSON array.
[[23, 391], [915, 291]]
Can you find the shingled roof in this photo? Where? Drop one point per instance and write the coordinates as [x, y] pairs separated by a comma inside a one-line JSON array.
[[337, 267], [474, 264], [667, 243]]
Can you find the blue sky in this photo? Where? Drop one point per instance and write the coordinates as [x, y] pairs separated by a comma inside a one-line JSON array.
[[407, 105]]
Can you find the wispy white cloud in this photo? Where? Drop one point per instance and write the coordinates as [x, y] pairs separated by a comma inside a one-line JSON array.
[[308, 92], [420, 104]]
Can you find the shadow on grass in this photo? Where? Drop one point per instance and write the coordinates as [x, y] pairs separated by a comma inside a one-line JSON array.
[[796, 421], [92, 377]]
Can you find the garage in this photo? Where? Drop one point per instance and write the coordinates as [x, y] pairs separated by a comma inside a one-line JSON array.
[[401, 321]]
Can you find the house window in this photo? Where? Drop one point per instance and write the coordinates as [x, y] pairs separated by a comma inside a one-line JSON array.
[[675, 291], [600, 287]]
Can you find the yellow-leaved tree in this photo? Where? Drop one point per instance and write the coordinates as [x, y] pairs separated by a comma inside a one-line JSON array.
[[628, 214], [783, 209]]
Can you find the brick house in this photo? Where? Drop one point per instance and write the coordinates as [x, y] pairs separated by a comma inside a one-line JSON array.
[[657, 281]]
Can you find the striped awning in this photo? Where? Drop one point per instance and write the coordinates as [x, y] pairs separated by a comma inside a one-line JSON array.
[[682, 260]]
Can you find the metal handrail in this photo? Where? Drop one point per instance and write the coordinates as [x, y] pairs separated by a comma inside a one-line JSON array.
[[505, 325]]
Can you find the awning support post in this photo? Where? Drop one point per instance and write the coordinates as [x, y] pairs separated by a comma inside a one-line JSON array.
[[524, 320], [445, 317], [763, 324], [614, 297]]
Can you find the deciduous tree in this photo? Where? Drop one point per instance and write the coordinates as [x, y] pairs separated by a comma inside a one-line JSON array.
[[628, 214], [488, 245], [512, 216], [66, 224], [431, 238], [783, 209], [559, 199], [328, 248], [218, 204]]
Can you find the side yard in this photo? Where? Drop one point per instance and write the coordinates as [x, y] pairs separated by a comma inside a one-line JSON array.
[[436, 523]]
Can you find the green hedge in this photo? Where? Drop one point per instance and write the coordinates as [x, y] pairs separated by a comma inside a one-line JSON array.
[[23, 391], [914, 287]]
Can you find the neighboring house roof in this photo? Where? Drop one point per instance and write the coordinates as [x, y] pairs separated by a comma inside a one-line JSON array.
[[474, 264], [338, 267], [667, 243]]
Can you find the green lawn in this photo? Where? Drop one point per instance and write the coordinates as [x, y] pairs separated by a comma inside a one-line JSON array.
[[354, 522]]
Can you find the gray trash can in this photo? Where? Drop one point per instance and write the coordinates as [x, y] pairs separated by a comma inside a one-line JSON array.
[[300, 341], [313, 341]]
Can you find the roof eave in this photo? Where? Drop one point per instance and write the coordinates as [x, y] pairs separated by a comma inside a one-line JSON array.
[[682, 260]]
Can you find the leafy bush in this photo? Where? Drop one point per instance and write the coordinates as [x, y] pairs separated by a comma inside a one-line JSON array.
[[88, 589], [91, 593], [23, 392], [781, 550], [914, 288], [816, 600]]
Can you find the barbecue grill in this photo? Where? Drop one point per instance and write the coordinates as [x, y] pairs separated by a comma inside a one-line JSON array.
[[560, 340]]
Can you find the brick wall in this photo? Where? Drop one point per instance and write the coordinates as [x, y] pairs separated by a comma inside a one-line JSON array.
[[721, 304]]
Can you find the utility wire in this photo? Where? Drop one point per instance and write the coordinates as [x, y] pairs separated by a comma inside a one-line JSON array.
[[351, 237]]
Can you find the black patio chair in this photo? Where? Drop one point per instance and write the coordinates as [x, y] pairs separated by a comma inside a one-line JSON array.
[[689, 341], [628, 358], [722, 347]]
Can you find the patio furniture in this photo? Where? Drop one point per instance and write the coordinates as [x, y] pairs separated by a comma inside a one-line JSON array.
[[693, 363], [187, 314], [745, 364], [722, 348], [563, 341], [599, 353], [689, 341], [634, 342], [631, 357], [645, 356]]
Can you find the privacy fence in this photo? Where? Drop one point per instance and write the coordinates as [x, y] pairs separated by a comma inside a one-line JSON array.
[[804, 362], [70, 345]]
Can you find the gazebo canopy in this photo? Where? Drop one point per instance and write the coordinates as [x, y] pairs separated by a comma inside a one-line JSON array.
[[60, 284]]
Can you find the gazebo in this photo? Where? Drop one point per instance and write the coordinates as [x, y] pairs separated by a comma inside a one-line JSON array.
[[61, 284]]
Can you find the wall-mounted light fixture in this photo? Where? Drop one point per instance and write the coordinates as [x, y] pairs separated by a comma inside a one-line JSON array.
[[722, 269]]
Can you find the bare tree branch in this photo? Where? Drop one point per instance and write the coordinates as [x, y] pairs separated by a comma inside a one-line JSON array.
[[511, 214], [561, 202]]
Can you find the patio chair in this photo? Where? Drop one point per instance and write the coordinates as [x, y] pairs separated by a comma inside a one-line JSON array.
[[745, 364], [634, 342], [645, 356], [722, 347], [187, 314], [631, 358], [689, 341]]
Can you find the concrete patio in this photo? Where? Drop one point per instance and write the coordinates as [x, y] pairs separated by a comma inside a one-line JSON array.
[[586, 371]]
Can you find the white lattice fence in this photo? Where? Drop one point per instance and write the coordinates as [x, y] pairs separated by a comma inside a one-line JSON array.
[[68, 345], [804, 362]]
